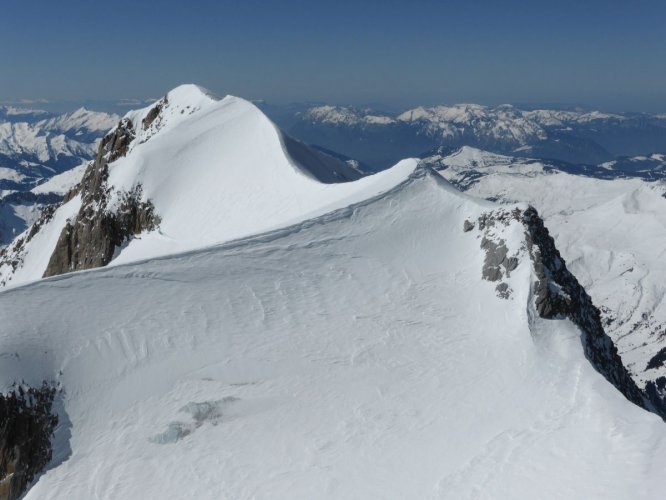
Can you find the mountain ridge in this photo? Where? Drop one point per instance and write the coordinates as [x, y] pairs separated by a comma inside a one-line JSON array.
[[340, 329], [173, 162]]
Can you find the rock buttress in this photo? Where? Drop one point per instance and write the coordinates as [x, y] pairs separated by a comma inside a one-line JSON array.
[[90, 239], [558, 294], [26, 427]]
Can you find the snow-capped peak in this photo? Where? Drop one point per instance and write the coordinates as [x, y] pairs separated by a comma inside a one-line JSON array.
[[191, 171], [79, 121]]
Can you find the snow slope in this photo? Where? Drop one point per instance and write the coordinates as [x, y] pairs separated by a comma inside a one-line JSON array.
[[356, 355], [216, 170], [612, 233]]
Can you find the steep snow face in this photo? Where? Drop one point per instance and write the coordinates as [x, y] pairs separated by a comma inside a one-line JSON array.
[[356, 355], [216, 170], [61, 184], [21, 209], [611, 233], [225, 172], [29, 254]]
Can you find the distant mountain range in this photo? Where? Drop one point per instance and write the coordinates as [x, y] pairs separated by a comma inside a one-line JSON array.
[[380, 139], [35, 144]]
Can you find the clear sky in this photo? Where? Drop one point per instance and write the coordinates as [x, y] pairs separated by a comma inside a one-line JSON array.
[[606, 53]]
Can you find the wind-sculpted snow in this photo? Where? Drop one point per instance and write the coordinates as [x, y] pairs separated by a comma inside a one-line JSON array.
[[359, 354]]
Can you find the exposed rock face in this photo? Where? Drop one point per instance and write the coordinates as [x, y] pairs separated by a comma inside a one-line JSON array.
[[26, 428], [558, 294], [657, 360], [91, 238], [116, 144], [497, 263], [154, 113], [655, 391]]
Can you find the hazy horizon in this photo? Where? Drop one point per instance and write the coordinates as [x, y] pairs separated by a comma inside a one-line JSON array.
[[122, 105], [604, 55]]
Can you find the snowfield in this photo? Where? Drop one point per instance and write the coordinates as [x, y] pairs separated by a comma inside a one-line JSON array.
[[355, 355], [286, 335]]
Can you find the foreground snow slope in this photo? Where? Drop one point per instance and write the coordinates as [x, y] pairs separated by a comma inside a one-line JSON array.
[[611, 233], [214, 170], [356, 355]]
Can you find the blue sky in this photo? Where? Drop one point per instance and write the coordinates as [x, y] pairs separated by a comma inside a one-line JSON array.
[[608, 54]]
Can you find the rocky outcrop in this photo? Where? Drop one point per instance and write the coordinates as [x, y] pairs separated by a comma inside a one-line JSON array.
[[657, 361], [154, 113], [91, 238], [497, 264], [655, 391], [559, 295], [116, 144], [30, 198], [26, 427]]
